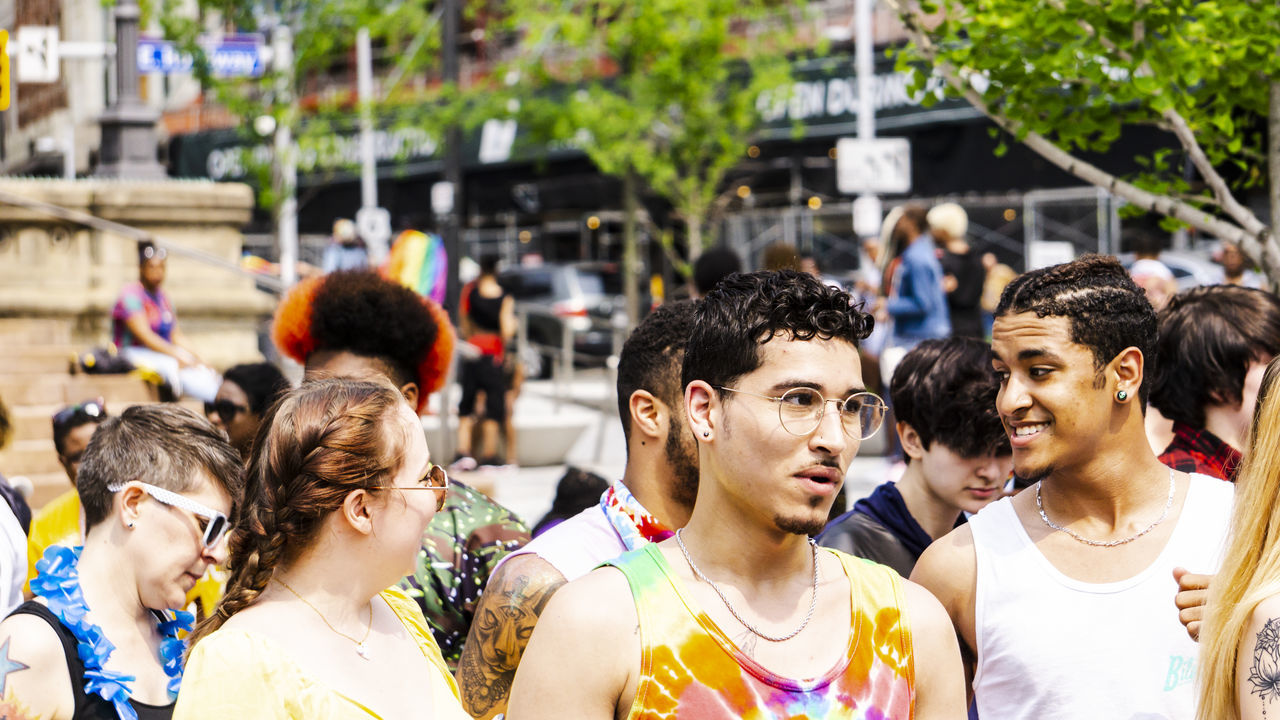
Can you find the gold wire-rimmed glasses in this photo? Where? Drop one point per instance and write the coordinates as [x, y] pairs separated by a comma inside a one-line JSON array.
[[435, 479], [800, 411]]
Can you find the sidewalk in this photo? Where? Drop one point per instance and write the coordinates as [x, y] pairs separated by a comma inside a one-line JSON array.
[[528, 491]]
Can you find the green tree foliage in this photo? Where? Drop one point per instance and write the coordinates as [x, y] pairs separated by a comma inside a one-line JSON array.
[[1065, 76], [662, 90], [315, 98]]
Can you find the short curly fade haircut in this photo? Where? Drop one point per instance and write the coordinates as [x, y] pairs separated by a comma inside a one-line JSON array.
[[746, 311], [1208, 338], [1106, 309], [651, 358], [946, 391]]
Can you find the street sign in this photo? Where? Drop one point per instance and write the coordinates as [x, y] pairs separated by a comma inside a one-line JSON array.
[[37, 51], [4, 69], [442, 198], [882, 165], [374, 225], [867, 213], [229, 56]]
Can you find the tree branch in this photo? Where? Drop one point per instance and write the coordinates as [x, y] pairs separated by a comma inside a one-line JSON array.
[[1255, 240], [1226, 200], [1273, 153]]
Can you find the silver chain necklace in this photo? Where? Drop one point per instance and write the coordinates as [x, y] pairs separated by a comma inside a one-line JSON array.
[[1108, 543], [813, 600]]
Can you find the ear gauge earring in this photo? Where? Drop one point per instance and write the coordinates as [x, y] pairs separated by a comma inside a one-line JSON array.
[[1121, 395]]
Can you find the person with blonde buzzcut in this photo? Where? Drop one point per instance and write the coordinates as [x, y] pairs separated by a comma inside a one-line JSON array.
[[963, 271]]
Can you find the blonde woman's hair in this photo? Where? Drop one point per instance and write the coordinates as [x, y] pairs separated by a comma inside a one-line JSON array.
[[951, 219], [1250, 571]]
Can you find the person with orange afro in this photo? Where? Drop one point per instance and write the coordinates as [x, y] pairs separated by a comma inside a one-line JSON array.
[[350, 324]]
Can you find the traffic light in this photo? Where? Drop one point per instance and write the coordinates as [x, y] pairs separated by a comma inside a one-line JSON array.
[[4, 69]]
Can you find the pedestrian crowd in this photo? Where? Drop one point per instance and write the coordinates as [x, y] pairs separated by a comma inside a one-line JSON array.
[[1063, 538]]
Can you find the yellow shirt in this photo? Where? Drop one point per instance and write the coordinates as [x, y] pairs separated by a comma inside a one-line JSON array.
[[238, 674], [57, 523]]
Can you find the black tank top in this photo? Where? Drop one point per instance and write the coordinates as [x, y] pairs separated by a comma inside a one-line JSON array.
[[87, 707], [486, 312]]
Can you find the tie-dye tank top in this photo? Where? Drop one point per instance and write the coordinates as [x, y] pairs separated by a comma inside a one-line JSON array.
[[691, 670]]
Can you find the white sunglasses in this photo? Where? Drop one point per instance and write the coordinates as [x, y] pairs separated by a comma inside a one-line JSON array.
[[215, 523]]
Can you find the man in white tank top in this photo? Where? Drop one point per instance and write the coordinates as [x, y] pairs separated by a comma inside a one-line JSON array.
[[654, 497], [1063, 594]]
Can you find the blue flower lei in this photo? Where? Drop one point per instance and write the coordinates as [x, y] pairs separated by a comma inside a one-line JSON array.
[[58, 582]]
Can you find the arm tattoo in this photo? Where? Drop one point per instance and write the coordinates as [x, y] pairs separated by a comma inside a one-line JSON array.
[[500, 631], [11, 709], [8, 666], [1264, 675]]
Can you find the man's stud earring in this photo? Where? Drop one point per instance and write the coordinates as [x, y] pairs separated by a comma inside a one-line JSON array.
[[706, 433], [1122, 395]]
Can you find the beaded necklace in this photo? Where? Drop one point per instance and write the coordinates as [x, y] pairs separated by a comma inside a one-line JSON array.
[[58, 582]]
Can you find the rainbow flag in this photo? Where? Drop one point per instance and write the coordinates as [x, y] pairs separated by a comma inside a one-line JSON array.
[[419, 262]]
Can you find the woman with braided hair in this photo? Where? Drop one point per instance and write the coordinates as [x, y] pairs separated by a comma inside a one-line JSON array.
[[339, 492]]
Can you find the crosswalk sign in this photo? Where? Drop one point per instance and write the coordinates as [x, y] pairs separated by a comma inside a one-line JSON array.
[[4, 69]]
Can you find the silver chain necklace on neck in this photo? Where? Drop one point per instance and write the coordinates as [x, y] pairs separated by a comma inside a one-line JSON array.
[[1108, 543], [813, 600]]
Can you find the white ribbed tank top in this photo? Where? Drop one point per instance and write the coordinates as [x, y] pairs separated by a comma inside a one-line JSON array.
[[1051, 647]]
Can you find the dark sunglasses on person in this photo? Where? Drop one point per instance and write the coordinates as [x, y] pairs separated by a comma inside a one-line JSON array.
[[87, 409], [225, 409]]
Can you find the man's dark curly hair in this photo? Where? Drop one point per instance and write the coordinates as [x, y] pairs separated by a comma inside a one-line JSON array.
[[1108, 312], [262, 383], [363, 313], [651, 358], [946, 391], [1208, 338], [745, 311]]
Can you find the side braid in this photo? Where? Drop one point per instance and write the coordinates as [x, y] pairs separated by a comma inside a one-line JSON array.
[[318, 444]]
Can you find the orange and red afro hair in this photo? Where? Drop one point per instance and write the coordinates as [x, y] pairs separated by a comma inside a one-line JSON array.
[[365, 314]]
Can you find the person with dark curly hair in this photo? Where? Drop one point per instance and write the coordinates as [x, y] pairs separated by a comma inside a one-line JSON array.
[[654, 496], [1062, 593], [243, 398], [958, 456], [353, 324], [1215, 343], [733, 615]]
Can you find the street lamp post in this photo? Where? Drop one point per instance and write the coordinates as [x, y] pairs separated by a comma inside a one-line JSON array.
[[128, 147]]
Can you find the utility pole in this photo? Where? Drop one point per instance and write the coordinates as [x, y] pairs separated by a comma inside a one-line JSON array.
[[285, 172], [452, 162], [128, 147]]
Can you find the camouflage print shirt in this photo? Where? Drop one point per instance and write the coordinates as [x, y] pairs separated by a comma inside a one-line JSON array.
[[462, 545]]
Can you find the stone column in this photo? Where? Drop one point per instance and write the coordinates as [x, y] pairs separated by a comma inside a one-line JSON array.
[[128, 147]]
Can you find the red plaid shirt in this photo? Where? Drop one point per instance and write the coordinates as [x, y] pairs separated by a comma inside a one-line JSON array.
[[1198, 450]]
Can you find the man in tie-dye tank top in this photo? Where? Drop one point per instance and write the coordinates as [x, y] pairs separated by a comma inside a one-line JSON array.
[[740, 615]]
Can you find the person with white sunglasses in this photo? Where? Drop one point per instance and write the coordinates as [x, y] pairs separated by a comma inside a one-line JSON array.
[[100, 638]]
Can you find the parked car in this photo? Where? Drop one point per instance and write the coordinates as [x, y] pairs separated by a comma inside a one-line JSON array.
[[1189, 268], [585, 298]]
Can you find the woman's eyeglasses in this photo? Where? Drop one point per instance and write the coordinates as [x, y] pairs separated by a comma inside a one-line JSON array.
[[225, 409], [212, 523], [435, 479]]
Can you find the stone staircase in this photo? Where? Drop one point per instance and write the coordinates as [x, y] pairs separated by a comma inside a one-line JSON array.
[[35, 382]]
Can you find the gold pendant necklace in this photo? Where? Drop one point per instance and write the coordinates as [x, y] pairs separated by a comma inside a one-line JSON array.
[[361, 648]]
